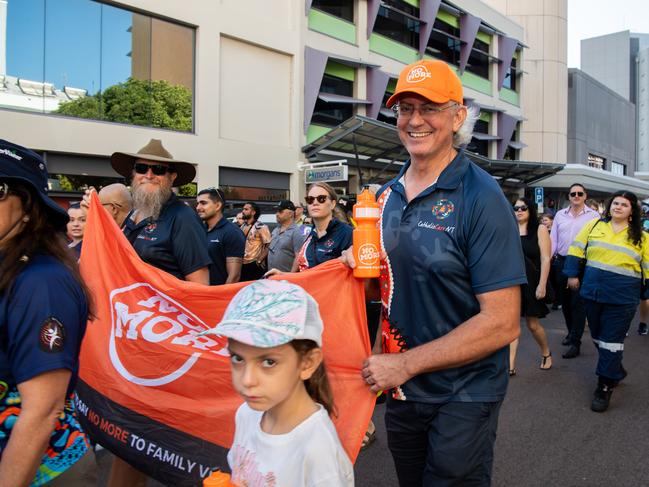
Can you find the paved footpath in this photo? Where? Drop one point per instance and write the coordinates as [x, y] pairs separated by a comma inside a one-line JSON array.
[[547, 436]]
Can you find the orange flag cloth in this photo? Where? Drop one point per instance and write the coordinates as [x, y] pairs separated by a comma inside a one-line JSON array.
[[159, 396]]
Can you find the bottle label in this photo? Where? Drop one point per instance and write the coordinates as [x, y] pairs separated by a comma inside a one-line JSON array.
[[367, 213], [368, 255]]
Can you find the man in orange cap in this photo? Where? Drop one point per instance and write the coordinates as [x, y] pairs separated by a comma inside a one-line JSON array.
[[449, 289]]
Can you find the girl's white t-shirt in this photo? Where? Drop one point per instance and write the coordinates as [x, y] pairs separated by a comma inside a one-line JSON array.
[[310, 455]]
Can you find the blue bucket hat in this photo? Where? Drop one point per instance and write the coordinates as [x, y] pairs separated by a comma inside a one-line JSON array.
[[21, 164]]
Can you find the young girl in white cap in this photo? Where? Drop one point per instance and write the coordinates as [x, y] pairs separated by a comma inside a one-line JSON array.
[[284, 436]]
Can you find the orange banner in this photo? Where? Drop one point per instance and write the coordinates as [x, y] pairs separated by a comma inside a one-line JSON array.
[[160, 396]]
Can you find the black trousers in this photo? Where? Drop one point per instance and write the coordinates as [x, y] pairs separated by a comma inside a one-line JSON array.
[[251, 272], [442, 445], [572, 305]]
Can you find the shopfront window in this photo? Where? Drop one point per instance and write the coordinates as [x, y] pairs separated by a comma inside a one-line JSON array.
[[399, 21], [85, 59], [343, 9]]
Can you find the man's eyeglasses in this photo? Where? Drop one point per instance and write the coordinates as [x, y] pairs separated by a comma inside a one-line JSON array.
[[576, 193], [405, 110], [157, 169], [520, 208], [321, 199]]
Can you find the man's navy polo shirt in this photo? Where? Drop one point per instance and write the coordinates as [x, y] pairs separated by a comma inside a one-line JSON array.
[[42, 323], [225, 239], [317, 250], [176, 242], [455, 240]]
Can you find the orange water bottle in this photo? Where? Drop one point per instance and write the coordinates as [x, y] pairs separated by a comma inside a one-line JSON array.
[[218, 479], [366, 235]]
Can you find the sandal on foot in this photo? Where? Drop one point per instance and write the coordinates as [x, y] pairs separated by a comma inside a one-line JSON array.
[[370, 436], [546, 362], [512, 372]]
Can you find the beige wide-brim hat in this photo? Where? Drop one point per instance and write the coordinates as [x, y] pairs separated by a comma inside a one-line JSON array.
[[123, 162]]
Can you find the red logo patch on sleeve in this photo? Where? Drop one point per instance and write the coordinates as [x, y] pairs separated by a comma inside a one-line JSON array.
[[51, 337]]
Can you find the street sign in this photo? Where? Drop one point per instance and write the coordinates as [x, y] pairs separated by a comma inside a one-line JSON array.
[[326, 174], [538, 195]]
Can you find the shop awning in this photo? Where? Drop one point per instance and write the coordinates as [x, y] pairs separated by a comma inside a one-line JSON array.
[[374, 144], [594, 180]]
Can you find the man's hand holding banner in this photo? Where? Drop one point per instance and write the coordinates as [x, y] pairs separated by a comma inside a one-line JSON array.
[[158, 395]]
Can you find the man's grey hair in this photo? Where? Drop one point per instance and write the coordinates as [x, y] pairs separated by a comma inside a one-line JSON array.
[[463, 136]]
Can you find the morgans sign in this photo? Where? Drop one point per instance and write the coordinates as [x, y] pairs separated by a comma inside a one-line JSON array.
[[326, 174]]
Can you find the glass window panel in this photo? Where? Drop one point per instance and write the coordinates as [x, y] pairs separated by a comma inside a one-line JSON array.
[[343, 9], [479, 59], [85, 59], [479, 147], [72, 52], [398, 27], [244, 193], [444, 42], [25, 43], [332, 114]]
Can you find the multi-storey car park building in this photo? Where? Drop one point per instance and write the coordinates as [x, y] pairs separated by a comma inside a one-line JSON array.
[[254, 93]]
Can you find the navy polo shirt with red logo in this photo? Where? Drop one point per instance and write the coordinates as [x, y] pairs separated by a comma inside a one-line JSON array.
[[42, 323], [454, 241], [176, 242]]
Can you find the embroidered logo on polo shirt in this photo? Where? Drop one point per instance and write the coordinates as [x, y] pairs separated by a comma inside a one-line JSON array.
[[150, 228], [51, 337], [443, 208], [329, 243]]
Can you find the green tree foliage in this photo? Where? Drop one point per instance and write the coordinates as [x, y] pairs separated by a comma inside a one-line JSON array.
[[150, 103]]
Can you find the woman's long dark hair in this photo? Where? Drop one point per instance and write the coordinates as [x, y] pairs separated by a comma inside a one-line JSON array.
[[635, 222], [39, 236], [533, 220], [317, 386]]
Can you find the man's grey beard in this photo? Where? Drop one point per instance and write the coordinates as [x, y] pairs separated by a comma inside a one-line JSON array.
[[150, 203]]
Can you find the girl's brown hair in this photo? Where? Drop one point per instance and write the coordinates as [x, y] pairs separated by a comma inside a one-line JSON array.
[[39, 236], [317, 385]]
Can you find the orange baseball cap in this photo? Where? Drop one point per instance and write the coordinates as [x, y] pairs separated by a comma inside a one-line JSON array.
[[434, 80]]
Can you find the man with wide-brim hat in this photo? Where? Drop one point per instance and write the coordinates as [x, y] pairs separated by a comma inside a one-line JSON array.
[[124, 162], [450, 290], [164, 231]]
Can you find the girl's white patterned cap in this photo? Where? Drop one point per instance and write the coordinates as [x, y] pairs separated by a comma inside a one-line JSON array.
[[270, 313]]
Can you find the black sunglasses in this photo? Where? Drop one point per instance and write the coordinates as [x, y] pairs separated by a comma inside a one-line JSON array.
[[5, 191], [576, 193], [520, 208], [157, 169], [321, 199]]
